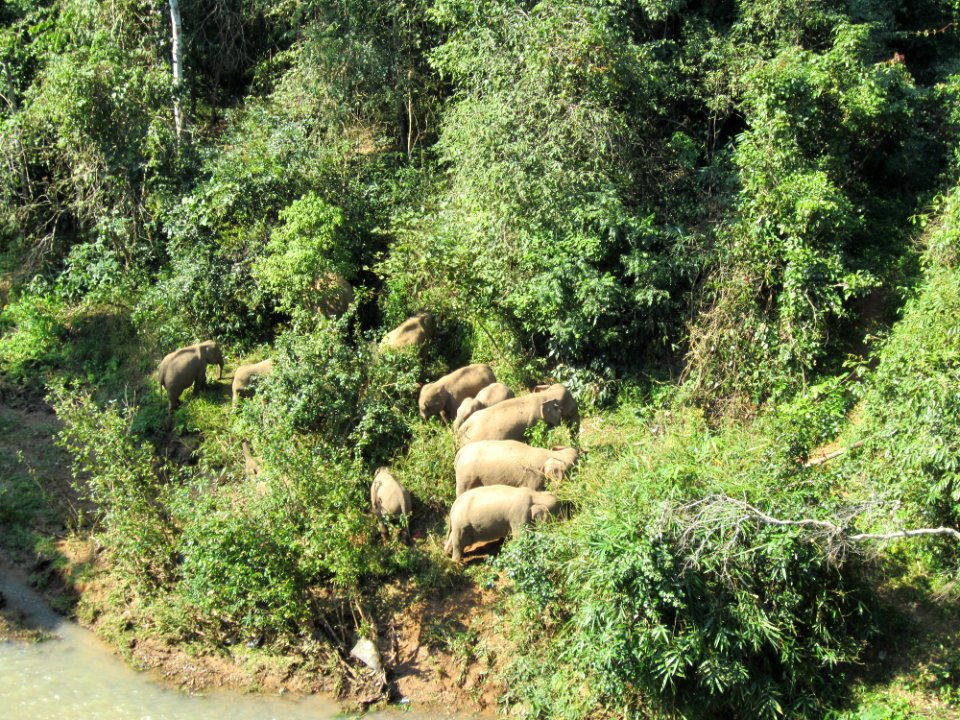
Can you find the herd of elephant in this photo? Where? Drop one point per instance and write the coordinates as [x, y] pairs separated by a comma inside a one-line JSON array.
[[499, 477]]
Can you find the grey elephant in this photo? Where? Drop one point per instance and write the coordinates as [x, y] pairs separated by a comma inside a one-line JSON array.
[[485, 514], [489, 396], [390, 499], [415, 330], [569, 408], [510, 419], [243, 378], [187, 366], [442, 397], [510, 462], [334, 295]]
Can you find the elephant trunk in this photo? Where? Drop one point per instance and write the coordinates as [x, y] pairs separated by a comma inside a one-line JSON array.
[[220, 377]]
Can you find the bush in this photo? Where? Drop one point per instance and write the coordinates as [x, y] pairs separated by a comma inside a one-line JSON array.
[[667, 610], [548, 221], [342, 390], [128, 485], [240, 564], [814, 227], [911, 409], [307, 246]]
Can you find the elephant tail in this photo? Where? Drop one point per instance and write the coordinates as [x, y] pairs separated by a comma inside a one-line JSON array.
[[448, 545]]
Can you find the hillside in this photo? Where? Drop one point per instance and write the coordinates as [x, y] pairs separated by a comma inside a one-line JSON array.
[[731, 231]]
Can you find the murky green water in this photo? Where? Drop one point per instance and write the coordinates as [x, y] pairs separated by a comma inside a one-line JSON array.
[[74, 676]]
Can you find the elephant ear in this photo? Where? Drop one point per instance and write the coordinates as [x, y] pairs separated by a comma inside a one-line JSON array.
[[554, 469], [212, 354], [442, 397], [550, 412], [539, 512]]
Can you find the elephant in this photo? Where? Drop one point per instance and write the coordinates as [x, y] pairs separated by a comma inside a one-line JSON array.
[[509, 462], [415, 330], [442, 397], [243, 376], [485, 514], [490, 395], [334, 295], [188, 366], [390, 499], [569, 409], [509, 419]]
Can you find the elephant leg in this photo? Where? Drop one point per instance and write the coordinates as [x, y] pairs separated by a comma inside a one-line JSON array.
[[454, 544]]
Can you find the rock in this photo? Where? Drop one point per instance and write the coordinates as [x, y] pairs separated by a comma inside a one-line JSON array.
[[366, 652]]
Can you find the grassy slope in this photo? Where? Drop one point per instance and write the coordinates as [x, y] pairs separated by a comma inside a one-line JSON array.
[[446, 649]]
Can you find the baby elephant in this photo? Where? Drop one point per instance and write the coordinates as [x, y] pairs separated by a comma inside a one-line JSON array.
[[485, 514], [490, 395], [444, 396], [187, 366], [509, 462], [244, 376], [416, 330], [390, 499]]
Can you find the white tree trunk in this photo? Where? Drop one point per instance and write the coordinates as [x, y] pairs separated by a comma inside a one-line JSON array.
[[177, 32]]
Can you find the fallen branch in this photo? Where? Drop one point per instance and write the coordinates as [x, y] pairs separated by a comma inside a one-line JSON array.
[[831, 455], [722, 516], [906, 533]]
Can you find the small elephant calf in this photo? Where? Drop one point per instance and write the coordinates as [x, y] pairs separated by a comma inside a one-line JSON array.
[[252, 464], [187, 366], [490, 395], [485, 514], [243, 377], [390, 499]]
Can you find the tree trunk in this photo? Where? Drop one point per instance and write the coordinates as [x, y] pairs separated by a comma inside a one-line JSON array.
[[179, 121]]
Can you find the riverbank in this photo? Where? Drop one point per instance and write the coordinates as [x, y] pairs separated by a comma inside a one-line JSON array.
[[425, 641]]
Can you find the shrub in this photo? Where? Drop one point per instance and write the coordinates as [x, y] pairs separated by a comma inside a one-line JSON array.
[[128, 485], [665, 609], [341, 389], [241, 564], [548, 221], [911, 409], [813, 227], [307, 246]]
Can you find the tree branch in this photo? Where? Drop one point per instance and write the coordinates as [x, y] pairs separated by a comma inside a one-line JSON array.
[[713, 514], [831, 455]]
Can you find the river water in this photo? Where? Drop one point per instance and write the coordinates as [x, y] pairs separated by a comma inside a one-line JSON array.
[[74, 676]]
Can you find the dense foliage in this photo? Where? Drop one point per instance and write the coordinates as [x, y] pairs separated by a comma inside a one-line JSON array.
[[731, 229]]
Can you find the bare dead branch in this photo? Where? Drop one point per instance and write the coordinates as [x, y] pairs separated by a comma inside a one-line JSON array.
[[906, 533], [716, 522]]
